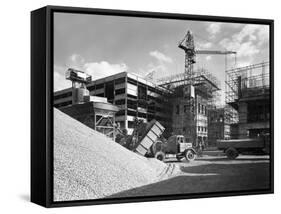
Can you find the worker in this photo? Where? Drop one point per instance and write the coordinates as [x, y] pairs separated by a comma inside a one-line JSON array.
[[200, 148]]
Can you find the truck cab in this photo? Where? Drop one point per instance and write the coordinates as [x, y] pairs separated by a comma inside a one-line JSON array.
[[178, 145]]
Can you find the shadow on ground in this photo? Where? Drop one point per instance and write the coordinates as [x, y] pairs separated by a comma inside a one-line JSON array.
[[234, 177], [226, 159]]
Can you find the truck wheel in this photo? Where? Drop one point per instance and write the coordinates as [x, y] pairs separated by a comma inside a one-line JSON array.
[[160, 156], [157, 146], [231, 153], [189, 155]]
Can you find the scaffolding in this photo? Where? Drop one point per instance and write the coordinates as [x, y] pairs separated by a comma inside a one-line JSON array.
[[204, 82], [228, 117], [245, 83], [192, 96], [198, 75]]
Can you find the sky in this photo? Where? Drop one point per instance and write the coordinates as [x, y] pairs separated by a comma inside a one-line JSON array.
[[104, 45]]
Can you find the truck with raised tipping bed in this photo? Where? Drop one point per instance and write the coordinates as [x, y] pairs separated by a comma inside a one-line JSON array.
[[150, 143]]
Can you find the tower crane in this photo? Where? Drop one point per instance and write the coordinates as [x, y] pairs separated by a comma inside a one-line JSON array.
[[187, 44]]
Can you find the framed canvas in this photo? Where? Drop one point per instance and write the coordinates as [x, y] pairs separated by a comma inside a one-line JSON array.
[[131, 106]]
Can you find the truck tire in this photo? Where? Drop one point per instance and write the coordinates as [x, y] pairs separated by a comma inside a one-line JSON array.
[[160, 155], [231, 153], [156, 147], [189, 155]]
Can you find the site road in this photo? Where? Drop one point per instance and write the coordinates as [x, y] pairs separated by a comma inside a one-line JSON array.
[[213, 172]]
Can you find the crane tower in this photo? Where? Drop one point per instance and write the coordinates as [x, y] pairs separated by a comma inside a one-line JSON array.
[[187, 44]]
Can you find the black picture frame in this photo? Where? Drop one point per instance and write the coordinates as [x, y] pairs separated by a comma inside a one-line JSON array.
[[42, 42]]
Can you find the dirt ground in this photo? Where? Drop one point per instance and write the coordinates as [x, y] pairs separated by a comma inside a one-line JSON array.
[[212, 172]]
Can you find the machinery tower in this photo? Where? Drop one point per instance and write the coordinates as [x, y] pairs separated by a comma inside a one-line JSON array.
[[79, 80]]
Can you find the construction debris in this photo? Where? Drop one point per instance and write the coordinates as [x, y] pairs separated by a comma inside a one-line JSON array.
[[89, 165]]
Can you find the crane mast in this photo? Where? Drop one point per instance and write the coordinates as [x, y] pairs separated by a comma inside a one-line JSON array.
[[187, 44]]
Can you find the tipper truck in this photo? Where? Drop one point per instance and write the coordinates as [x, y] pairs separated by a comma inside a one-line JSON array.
[[151, 144]]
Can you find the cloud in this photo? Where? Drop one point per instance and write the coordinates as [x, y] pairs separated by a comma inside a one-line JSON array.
[[248, 41], [259, 33], [77, 59], [59, 78], [263, 35], [160, 56], [103, 69], [203, 45], [213, 29], [243, 49], [96, 69], [244, 63], [248, 49], [159, 67]]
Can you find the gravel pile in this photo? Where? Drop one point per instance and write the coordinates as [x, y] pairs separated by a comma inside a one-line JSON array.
[[88, 165]]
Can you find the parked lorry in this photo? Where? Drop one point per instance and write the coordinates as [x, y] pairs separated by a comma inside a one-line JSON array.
[[232, 148], [151, 143]]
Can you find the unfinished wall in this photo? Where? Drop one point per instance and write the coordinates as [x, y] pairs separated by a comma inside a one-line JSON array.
[[218, 125], [242, 112], [189, 118], [248, 91]]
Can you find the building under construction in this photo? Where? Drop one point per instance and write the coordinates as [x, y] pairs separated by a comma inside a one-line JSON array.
[[248, 94], [194, 93], [135, 97], [180, 102], [191, 102], [222, 123], [180, 107]]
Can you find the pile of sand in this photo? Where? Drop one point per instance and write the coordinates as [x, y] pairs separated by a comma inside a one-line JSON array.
[[88, 165]]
